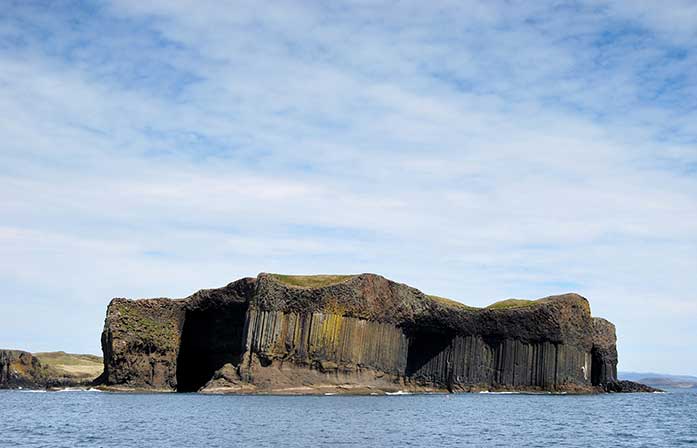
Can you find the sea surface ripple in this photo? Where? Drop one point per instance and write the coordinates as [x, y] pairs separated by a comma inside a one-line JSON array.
[[98, 419]]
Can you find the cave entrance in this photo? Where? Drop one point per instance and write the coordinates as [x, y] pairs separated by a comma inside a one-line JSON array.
[[597, 367], [210, 338], [428, 358]]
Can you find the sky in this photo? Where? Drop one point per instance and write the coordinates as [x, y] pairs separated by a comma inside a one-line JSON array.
[[474, 150]]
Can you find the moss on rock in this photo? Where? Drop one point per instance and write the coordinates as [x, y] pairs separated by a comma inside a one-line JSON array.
[[510, 303], [311, 281]]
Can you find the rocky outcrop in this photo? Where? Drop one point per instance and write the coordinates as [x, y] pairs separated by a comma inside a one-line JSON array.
[[624, 386], [361, 333], [141, 342], [20, 369]]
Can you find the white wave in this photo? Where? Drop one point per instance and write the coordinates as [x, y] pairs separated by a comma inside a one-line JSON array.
[[78, 389], [399, 392]]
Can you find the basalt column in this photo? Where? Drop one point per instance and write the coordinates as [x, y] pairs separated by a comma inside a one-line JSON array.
[[604, 352], [327, 341]]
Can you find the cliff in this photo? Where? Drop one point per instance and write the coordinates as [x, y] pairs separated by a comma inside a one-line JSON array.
[[19, 369], [361, 333]]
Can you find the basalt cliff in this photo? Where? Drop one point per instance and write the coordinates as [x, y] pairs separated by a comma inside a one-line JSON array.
[[354, 334]]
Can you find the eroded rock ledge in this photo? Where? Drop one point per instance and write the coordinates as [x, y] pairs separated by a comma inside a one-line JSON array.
[[356, 334]]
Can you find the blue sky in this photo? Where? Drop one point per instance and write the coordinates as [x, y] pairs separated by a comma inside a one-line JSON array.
[[475, 150]]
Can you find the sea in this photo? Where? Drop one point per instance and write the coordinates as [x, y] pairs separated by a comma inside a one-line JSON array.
[[103, 419]]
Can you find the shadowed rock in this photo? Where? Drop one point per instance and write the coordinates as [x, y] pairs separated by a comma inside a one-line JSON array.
[[625, 386]]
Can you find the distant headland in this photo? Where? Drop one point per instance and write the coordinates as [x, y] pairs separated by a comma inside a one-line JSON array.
[[355, 334]]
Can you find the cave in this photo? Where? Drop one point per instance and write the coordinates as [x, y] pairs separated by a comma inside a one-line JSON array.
[[210, 339], [597, 367], [603, 366], [428, 355]]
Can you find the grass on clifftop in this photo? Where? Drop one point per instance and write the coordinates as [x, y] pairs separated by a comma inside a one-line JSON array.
[[510, 303], [311, 281], [451, 302], [155, 331], [502, 305], [71, 365]]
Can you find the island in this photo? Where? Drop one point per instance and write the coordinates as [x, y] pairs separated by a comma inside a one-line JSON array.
[[359, 334]]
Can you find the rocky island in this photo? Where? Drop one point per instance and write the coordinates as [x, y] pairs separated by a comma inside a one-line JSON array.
[[353, 334], [49, 370]]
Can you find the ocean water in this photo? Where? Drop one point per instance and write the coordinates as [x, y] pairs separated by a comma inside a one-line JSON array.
[[99, 419]]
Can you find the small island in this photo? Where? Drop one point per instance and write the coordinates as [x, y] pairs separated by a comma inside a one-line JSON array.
[[357, 334]]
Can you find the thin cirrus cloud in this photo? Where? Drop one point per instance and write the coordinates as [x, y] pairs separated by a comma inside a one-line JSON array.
[[477, 150]]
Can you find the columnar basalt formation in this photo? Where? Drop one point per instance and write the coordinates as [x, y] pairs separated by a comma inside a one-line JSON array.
[[357, 333], [604, 352]]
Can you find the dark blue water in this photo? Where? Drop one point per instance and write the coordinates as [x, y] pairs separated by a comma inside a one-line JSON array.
[[96, 419]]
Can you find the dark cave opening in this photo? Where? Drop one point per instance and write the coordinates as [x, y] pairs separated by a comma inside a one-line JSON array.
[[597, 367], [423, 360], [211, 338]]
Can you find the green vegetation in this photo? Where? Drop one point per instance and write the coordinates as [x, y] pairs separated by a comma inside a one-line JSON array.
[[72, 365], [510, 303], [160, 333], [450, 302], [502, 305], [69, 359], [311, 281]]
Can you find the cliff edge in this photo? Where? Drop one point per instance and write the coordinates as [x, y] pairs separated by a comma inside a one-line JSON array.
[[355, 334]]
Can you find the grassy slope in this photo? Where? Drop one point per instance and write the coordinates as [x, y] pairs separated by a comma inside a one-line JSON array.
[[510, 303], [311, 281], [450, 302], [502, 305], [72, 365]]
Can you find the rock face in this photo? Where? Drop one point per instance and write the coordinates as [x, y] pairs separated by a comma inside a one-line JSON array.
[[19, 369], [604, 352], [141, 342], [357, 333]]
